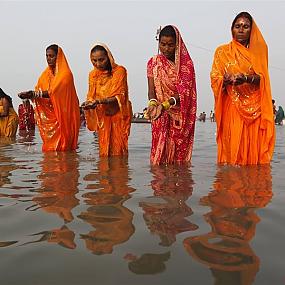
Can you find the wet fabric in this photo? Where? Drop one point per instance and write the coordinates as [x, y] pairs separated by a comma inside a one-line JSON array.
[[244, 115], [112, 122], [58, 116]]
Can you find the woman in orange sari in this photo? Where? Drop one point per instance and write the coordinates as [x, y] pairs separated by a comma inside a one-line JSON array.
[[56, 103], [172, 100], [243, 103], [108, 110], [8, 117]]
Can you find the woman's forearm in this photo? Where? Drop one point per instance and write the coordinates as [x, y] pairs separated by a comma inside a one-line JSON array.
[[107, 100]]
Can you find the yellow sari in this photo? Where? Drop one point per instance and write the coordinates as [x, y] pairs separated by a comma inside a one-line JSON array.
[[113, 130], [8, 124]]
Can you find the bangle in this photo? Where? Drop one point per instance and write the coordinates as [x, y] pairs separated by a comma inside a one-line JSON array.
[[175, 101], [245, 78], [152, 102], [166, 105], [37, 94], [252, 79]]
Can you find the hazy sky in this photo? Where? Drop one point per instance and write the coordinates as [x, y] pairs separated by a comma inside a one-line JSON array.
[[129, 29]]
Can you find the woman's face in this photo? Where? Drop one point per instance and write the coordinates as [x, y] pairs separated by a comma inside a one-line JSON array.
[[241, 30], [167, 47], [51, 58], [100, 59]]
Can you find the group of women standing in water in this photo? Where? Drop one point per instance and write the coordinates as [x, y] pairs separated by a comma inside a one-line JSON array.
[[239, 80]]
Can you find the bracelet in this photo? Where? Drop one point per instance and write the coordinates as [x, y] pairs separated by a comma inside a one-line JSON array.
[[37, 94], [252, 79], [166, 105], [245, 78], [175, 101], [152, 102]]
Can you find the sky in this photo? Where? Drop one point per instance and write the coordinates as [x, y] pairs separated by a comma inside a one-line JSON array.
[[129, 29]]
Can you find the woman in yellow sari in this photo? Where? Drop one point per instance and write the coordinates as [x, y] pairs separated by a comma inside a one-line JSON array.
[[108, 110], [243, 103], [56, 103], [8, 117]]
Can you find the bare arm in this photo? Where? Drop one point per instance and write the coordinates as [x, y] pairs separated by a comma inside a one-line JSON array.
[[151, 89], [33, 94]]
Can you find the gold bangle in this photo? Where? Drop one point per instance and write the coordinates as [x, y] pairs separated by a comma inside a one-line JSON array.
[[252, 79], [152, 102], [245, 78], [166, 105]]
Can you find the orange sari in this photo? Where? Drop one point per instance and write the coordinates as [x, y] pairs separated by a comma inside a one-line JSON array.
[[113, 130], [58, 116], [244, 115], [226, 249]]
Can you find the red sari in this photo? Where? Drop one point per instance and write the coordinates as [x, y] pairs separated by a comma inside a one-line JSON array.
[[26, 117], [173, 131]]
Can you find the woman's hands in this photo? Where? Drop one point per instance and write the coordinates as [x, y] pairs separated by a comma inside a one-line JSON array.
[[234, 79], [154, 112], [89, 105]]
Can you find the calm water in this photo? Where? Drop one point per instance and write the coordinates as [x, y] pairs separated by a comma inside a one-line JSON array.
[[72, 218]]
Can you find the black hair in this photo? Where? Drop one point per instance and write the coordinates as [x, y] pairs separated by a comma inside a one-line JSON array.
[[101, 48], [4, 95], [53, 47], [242, 14], [167, 31]]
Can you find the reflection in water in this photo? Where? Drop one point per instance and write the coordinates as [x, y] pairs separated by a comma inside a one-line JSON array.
[[6, 162], [6, 167], [62, 236], [59, 185], [148, 263], [26, 136], [238, 191], [7, 243], [165, 213], [107, 214]]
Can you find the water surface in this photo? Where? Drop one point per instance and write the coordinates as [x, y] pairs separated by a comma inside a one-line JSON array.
[[72, 218]]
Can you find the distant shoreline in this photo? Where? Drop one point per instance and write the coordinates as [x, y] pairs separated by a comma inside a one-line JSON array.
[[140, 120]]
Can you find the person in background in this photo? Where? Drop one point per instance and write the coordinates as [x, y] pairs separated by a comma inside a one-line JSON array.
[[56, 103], [8, 117], [274, 108], [243, 102], [211, 116], [108, 110], [280, 116], [26, 116], [82, 118], [172, 100]]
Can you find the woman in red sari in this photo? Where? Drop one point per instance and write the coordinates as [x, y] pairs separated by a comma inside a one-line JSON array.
[[172, 100], [26, 116], [56, 103]]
